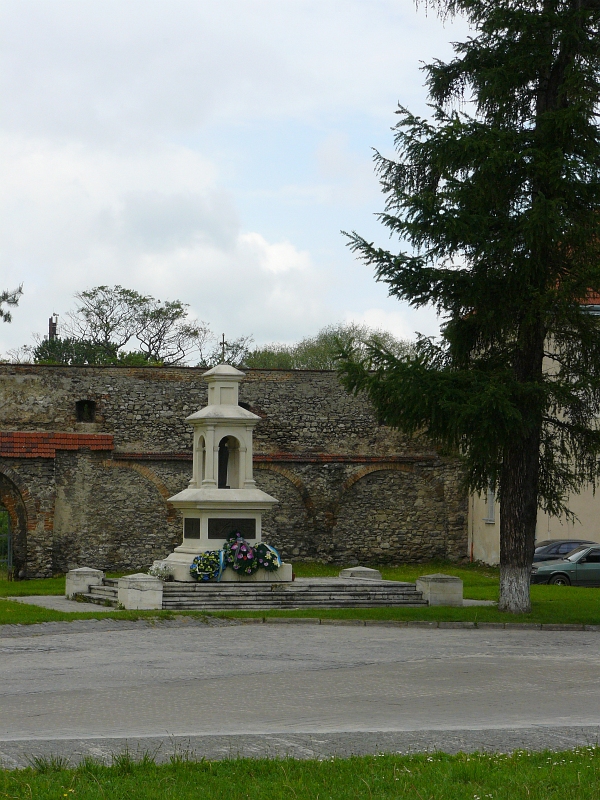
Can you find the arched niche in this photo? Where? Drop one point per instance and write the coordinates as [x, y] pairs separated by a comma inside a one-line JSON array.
[[12, 500], [229, 463]]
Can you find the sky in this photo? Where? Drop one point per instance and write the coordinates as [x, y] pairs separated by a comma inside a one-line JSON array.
[[209, 151]]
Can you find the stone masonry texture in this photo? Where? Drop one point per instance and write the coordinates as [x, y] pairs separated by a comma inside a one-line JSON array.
[[96, 493]]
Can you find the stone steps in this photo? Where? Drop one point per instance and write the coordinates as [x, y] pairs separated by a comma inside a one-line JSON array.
[[104, 595], [303, 593], [308, 593]]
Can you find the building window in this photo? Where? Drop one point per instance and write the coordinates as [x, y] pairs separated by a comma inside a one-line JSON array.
[[85, 410], [490, 516]]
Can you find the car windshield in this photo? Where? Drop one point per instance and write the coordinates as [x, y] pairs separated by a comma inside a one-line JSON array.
[[574, 554]]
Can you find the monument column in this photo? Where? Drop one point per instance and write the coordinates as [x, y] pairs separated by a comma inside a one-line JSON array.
[[212, 456]]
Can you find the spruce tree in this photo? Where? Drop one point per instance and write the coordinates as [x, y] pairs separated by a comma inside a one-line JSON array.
[[496, 199]]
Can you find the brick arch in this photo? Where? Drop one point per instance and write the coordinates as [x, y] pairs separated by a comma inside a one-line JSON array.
[[391, 467], [16, 499], [293, 479], [151, 476], [391, 524], [361, 473]]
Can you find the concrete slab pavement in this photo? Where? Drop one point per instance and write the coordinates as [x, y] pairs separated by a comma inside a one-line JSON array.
[[227, 688]]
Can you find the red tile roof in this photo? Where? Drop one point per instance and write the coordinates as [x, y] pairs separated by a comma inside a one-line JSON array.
[[36, 444]]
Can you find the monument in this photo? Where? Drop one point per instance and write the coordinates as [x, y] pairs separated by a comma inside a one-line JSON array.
[[222, 498]]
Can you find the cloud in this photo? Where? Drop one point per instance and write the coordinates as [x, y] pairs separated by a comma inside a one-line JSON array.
[[203, 151], [74, 217], [118, 69]]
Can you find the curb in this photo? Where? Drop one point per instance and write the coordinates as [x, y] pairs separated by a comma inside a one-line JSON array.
[[439, 624]]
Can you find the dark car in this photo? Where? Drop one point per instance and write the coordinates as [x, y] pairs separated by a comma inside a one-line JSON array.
[[551, 549], [579, 568]]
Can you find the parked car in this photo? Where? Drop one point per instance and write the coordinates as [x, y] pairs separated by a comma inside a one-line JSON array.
[[579, 568], [551, 549]]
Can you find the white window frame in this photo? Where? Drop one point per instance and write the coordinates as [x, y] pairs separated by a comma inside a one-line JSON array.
[[490, 518]]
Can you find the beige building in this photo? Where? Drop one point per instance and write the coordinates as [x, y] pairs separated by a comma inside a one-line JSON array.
[[484, 524]]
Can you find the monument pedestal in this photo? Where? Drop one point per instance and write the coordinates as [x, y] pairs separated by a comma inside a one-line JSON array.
[[178, 563], [222, 497]]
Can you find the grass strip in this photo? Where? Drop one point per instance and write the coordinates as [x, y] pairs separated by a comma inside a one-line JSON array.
[[535, 776], [550, 604]]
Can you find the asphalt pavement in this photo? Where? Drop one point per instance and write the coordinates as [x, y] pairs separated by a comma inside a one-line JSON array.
[[221, 689]]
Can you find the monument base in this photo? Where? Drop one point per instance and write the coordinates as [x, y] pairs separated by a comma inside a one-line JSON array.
[[179, 565]]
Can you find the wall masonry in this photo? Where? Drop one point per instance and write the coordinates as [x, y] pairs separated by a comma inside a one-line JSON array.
[[95, 493]]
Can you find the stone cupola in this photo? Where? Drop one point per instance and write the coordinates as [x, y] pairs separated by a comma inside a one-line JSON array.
[[222, 496], [223, 434]]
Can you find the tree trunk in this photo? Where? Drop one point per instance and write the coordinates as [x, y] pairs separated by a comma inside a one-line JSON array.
[[518, 515]]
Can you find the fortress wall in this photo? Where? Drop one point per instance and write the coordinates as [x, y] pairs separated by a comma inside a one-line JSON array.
[[350, 489]]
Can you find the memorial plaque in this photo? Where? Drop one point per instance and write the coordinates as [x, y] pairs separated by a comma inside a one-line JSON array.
[[191, 528], [221, 528]]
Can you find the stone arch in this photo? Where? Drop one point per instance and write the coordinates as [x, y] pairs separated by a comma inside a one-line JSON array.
[[390, 513], [294, 479], [290, 525], [147, 473], [15, 497]]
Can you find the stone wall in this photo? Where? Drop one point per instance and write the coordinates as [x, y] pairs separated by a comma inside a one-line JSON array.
[[350, 490]]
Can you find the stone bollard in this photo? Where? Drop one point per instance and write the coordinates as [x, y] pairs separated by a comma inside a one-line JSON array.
[[79, 580], [140, 591], [361, 572], [441, 590]]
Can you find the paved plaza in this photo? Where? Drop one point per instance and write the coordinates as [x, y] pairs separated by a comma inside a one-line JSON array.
[[96, 687]]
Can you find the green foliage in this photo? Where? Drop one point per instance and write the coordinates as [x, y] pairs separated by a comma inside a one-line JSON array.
[[9, 298], [235, 353], [323, 350], [110, 318], [82, 351], [521, 775], [497, 202]]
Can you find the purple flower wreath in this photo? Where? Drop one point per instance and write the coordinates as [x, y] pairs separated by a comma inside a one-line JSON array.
[[239, 555]]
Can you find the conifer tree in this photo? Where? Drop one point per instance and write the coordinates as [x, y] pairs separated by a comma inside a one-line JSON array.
[[496, 199]]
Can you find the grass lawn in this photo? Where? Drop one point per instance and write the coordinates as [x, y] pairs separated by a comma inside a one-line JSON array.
[[551, 604], [535, 776]]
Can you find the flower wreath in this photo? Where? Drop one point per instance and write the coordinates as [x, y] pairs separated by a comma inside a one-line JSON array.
[[239, 555], [208, 565], [268, 557]]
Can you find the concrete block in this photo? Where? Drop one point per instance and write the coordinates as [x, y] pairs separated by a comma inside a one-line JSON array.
[[555, 626], [527, 626], [455, 624], [140, 591], [441, 590], [361, 572], [420, 624], [79, 580]]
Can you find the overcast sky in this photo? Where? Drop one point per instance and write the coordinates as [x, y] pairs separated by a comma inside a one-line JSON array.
[[205, 150]]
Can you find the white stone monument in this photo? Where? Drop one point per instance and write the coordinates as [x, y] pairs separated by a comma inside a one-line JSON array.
[[222, 496]]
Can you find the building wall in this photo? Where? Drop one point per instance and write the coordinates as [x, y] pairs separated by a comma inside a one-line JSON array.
[[484, 535], [96, 494]]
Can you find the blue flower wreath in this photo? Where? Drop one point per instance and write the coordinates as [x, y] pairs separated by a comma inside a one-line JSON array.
[[208, 565]]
